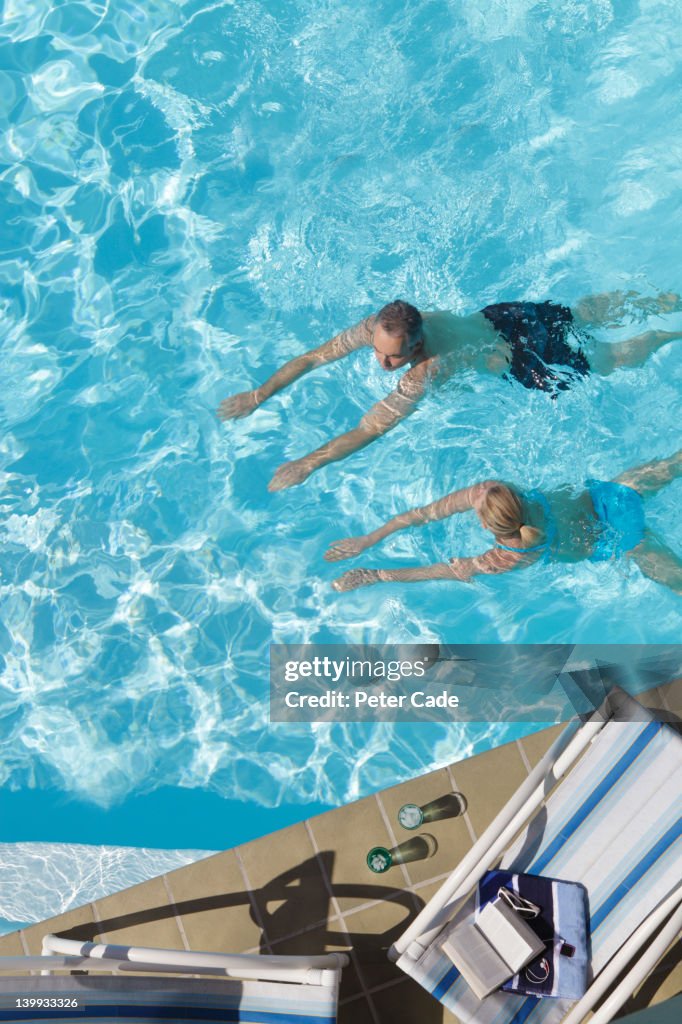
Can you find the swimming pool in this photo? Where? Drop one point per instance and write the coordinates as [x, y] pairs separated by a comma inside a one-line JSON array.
[[195, 192]]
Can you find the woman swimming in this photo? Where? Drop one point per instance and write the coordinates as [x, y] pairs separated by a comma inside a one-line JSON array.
[[603, 522]]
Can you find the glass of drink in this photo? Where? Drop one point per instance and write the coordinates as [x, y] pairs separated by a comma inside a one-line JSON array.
[[379, 859], [410, 816]]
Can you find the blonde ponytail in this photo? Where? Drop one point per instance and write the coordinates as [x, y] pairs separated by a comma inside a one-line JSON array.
[[502, 512], [530, 536]]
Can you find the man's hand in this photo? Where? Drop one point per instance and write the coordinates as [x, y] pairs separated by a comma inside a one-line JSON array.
[[290, 474], [237, 406], [355, 578], [348, 548]]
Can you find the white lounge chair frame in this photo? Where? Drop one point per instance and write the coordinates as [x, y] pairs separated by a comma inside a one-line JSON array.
[[322, 970], [563, 753], [321, 975]]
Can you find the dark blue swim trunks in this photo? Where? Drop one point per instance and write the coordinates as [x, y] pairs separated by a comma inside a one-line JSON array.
[[541, 356]]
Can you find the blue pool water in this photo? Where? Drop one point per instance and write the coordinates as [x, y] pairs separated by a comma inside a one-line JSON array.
[[193, 193]]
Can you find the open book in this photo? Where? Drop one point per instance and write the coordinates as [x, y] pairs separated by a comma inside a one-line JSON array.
[[491, 948]]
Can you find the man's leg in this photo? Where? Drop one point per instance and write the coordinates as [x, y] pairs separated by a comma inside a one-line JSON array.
[[658, 562], [652, 476], [609, 308], [607, 356]]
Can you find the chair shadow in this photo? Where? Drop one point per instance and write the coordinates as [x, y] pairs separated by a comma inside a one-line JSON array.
[[642, 999], [296, 914]]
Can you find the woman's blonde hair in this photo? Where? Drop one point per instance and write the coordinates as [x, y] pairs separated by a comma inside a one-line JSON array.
[[502, 513]]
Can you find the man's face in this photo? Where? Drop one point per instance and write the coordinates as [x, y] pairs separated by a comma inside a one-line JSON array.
[[392, 351]]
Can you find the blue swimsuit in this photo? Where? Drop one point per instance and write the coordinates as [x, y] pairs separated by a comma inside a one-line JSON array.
[[619, 511]]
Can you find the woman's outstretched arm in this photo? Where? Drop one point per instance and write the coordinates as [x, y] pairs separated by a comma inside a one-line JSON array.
[[495, 560], [457, 501], [355, 578]]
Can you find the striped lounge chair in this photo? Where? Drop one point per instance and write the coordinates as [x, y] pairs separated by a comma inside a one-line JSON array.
[[614, 823], [253, 989]]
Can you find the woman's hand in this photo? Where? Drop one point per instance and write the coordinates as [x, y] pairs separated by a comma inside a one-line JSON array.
[[355, 578], [348, 548], [290, 474], [237, 406]]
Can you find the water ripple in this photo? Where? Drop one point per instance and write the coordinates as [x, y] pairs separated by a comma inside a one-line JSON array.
[[42, 880], [193, 193]]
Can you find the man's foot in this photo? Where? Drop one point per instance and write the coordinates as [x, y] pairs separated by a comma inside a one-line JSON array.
[[650, 477], [669, 302], [612, 309]]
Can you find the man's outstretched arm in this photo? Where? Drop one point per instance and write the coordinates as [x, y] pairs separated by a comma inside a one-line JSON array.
[[381, 418], [339, 346]]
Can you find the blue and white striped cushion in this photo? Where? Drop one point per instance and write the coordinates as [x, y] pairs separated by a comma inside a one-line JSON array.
[[614, 824], [171, 1000]]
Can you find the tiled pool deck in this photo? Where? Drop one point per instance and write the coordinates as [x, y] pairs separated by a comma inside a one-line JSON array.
[[307, 889]]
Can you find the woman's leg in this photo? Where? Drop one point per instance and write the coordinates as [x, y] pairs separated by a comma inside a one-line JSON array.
[[652, 476], [659, 562]]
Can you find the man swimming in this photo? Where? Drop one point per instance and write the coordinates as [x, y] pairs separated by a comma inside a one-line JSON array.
[[542, 345], [603, 522]]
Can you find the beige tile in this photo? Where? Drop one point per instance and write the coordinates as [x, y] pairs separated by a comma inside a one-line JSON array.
[[449, 1018], [446, 825], [669, 985], [345, 837], [673, 696], [139, 916], [408, 1002], [664, 982], [488, 781], [669, 1012], [653, 699], [355, 1012], [424, 893], [287, 882], [11, 945], [214, 906], [329, 939], [537, 744], [373, 930], [75, 924]]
